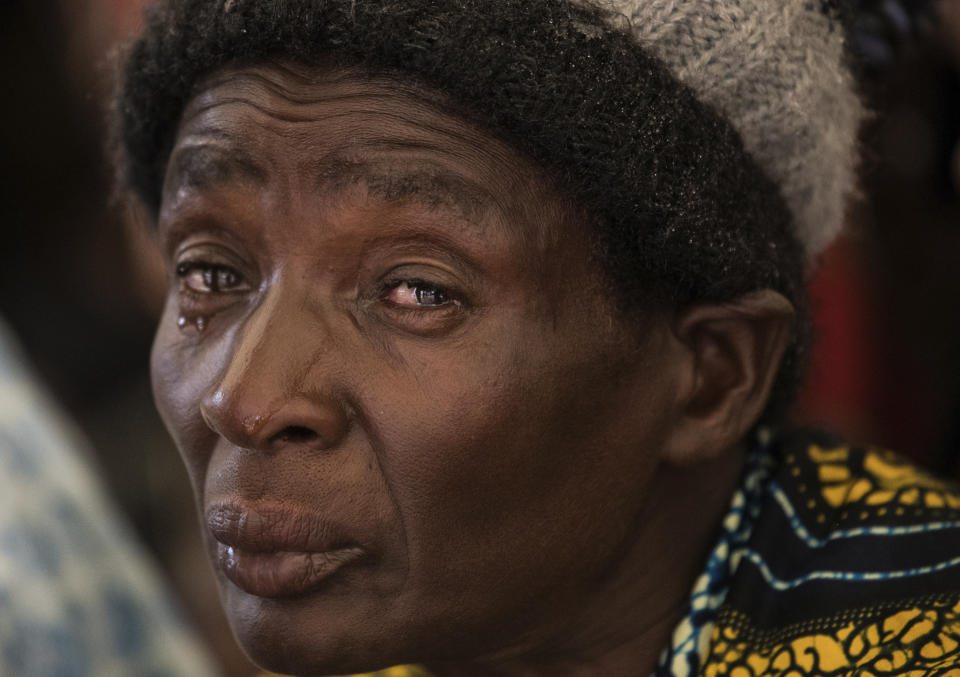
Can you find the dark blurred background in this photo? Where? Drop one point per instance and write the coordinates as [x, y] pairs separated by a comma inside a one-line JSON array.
[[80, 283], [886, 299]]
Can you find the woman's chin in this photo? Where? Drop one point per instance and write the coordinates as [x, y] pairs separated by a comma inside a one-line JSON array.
[[313, 634]]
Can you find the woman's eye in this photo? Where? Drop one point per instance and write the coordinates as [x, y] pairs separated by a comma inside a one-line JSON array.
[[209, 278], [419, 294], [415, 306]]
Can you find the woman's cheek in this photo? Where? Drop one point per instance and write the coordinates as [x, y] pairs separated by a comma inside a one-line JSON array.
[[180, 375], [451, 446]]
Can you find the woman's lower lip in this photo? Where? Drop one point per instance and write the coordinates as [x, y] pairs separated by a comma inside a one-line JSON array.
[[281, 574]]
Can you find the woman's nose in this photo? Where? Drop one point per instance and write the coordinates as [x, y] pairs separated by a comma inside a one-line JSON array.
[[273, 391]]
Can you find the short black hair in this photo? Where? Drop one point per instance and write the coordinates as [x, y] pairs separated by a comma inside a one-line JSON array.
[[679, 211]]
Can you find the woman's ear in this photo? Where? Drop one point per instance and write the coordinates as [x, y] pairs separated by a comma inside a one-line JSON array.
[[731, 354]]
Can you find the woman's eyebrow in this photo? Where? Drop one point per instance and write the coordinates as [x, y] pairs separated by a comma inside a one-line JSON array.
[[207, 163], [428, 183]]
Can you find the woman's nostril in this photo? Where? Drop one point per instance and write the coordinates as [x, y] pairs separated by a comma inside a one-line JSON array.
[[297, 434]]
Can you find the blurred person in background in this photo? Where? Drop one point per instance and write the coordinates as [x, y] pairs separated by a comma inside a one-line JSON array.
[[76, 290], [78, 597]]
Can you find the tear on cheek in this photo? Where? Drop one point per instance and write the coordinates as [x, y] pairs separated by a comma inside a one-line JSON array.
[[198, 323]]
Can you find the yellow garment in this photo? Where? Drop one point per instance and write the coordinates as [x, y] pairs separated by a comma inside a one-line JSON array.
[[396, 671], [399, 671], [922, 640]]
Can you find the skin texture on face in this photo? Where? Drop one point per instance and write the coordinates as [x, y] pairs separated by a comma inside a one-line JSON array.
[[387, 353]]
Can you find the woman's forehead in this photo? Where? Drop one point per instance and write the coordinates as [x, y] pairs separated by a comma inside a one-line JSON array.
[[335, 137], [336, 128], [374, 110]]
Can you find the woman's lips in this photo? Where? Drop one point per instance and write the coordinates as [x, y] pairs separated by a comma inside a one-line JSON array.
[[281, 573], [277, 552]]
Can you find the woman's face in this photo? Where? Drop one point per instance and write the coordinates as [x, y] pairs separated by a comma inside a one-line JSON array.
[[415, 424]]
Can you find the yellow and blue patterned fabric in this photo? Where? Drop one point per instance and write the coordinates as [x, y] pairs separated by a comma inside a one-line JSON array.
[[832, 560], [78, 598], [853, 568], [835, 561]]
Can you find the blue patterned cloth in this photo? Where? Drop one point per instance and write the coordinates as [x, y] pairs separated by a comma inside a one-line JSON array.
[[77, 596]]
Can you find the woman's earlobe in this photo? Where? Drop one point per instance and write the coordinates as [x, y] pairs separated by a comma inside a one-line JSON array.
[[733, 353]]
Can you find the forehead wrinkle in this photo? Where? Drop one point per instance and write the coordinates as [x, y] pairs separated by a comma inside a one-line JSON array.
[[355, 116], [267, 111], [304, 89], [392, 101], [315, 94]]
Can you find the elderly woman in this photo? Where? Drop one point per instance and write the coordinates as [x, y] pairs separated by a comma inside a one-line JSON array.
[[482, 317]]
